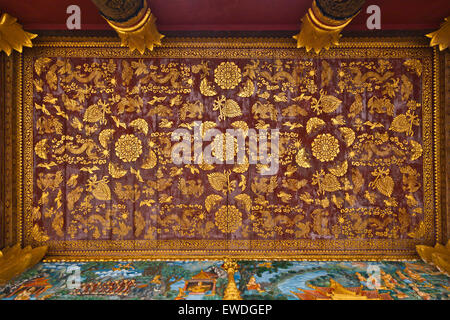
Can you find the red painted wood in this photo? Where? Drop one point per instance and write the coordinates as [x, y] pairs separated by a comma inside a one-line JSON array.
[[258, 15]]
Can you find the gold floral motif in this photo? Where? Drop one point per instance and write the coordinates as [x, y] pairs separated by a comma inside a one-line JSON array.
[[325, 147], [228, 219], [128, 148], [41, 149], [227, 75]]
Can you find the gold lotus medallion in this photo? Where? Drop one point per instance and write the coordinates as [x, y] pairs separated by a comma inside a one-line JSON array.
[[325, 147], [128, 148], [228, 219], [227, 75]]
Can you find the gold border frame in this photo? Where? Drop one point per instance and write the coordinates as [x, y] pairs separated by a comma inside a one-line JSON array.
[[257, 249]]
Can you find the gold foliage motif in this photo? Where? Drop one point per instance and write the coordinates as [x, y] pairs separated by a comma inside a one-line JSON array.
[[221, 181], [211, 201], [340, 169], [228, 108], [247, 90], [140, 125], [404, 123], [301, 159], [325, 103], [206, 89], [116, 171], [245, 201], [348, 135], [99, 188], [313, 124]]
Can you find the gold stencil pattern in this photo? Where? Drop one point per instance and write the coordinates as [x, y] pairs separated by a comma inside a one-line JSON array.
[[356, 159]]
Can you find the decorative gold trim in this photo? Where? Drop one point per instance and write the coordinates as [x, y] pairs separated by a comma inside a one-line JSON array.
[[215, 250], [12, 35], [437, 140], [441, 37], [19, 145]]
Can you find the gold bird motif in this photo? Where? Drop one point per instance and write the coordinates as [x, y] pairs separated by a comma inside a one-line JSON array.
[[90, 170], [47, 165]]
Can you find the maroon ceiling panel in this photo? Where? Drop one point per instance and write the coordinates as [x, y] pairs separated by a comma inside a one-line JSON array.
[[225, 15]]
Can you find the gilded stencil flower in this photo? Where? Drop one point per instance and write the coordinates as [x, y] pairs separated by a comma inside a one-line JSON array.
[[228, 219], [227, 75], [325, 147], [128, 148]]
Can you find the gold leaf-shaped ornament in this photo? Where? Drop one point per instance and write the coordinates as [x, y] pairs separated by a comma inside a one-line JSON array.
[[301, 159], [102, 191], [313, 124], [330, 103], [211, 201]]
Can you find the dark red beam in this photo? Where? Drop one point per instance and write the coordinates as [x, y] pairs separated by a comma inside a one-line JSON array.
[[215, 15]]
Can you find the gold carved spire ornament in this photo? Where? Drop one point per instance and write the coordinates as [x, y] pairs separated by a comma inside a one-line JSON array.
[[231, 291], [441, 37], [12, 35], [133, 21], [324, 21]]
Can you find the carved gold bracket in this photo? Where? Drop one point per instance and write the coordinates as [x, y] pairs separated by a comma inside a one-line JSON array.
[[231, 291], [15, 260], [12, 35], [439, 256], [441, 37], [319, 31], [139, 32]]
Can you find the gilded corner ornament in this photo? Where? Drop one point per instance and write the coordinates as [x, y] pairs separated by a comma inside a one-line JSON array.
[[441, 37], [12, 35]]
